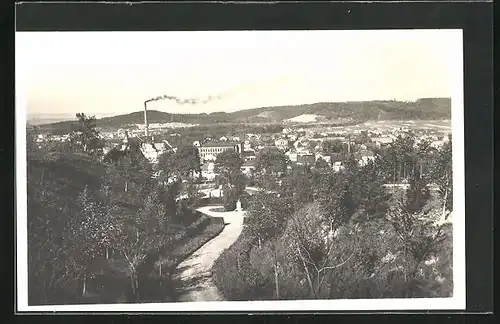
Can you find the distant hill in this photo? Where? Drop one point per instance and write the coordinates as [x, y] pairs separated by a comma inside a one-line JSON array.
[[360, 111]]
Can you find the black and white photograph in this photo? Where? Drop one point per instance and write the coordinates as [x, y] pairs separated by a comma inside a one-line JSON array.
[[240, 170]]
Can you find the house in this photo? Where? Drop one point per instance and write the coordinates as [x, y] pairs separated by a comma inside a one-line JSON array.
[[337, 166], [152, 151], [247, 146], [208, 171], [209, 151], [281, 143], [248, 167], [437, 144], [382, 141], [364, 156], [303, 159], [326, 158], [248, 155], [292, 156]]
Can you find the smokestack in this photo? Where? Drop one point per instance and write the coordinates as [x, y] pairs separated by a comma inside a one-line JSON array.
[[146, 120]]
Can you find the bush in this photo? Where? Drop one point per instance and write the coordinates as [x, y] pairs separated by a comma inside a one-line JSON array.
[[234, 275], [245, 200], [229, 199]]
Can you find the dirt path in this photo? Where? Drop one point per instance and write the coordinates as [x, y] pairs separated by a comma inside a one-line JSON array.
[[193, 275]]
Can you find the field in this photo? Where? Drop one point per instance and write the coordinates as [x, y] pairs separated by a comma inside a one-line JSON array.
[[388, 125]]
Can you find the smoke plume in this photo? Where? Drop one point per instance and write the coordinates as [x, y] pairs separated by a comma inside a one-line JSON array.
[[188, 101], [248, 86]]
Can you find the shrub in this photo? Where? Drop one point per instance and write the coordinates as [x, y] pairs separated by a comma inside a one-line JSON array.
[[229, 199], [235, 276]]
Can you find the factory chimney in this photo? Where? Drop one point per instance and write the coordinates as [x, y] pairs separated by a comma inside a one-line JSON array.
[[146, 121]]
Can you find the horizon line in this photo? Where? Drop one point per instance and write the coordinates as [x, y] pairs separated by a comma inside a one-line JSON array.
[[105, 115]]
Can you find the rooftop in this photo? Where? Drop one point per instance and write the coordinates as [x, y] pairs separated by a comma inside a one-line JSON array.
[[219, 144], [248, 163]]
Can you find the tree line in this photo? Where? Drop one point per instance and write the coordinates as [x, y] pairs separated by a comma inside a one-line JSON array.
[[318, 233], [85, 206]]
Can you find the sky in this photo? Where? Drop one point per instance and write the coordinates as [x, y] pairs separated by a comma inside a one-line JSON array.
[[111, 73]]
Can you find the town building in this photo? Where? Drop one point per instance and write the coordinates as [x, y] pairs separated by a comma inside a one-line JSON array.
[[208, 171], [337, 166], [281, 143], [152, 151], [292, 156], [382, 141], [248, 167], [248, 155], [210, 151], [306, 159], [325, 157], [364, 157]]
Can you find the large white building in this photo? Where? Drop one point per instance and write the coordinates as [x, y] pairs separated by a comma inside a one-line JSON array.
[[210, 151]]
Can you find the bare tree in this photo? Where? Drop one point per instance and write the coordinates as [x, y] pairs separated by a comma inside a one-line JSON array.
[[418, 235]]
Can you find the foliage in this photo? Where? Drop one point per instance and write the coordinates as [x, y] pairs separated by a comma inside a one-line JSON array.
[[137, 234], [333, 146], [271, 161], [419, 238], [234, 275], [336, 198], [85, 138], [229, 198], [267, 214], [373, 197], [180, 163], [227, 165], [344, 235], [321, 164], [191, 239], [54, 182], [192, 193], [442, 174]]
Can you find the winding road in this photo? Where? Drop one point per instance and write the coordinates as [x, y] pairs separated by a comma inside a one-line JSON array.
[[193, 276]]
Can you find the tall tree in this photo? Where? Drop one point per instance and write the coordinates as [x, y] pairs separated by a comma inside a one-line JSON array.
[[306, 245], [89, 234], [138, 232], [187, 160], [227, 165], [267, 214], [166, 164], [418, 236], [417, 194], [330, 147], [181, 163], [374, 197], [50, 268], [271, 161], [321, 164], [336, 198], [442, 174], [85, 138]]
